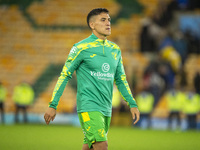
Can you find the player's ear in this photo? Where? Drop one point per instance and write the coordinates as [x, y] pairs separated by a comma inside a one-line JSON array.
[[92, 22], [91, 25]]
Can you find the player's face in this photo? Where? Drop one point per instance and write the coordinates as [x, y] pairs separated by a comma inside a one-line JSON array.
[[101, 26]]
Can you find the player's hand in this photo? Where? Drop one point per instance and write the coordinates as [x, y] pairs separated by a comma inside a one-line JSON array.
[[49, 115], [135, 114]]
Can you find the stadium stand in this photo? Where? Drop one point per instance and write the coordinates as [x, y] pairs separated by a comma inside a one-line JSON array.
[[42, 32]]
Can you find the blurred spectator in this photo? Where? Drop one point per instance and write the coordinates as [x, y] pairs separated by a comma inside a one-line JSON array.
[[3, 93], [169, 54], [164, 13], [197, 82], [193, 4], [147, 41], [183, 78], [174, 102], [191, 108], [153, 82], [167, 74], [145, 101], [159, 15], [183, 4], [193, 42], [180, 44], [23, 97], [167, 40]]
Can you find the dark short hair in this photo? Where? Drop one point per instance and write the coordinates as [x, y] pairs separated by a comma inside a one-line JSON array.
[[95, 12]]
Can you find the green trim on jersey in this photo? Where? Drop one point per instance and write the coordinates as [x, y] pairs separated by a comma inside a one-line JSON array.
[[98, 63]]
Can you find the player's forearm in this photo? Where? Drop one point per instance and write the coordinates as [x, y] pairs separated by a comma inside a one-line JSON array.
[[58, 91], [125, 91], [65, 75]]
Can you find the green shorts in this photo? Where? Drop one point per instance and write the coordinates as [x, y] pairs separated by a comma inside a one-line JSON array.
[[95, 126]]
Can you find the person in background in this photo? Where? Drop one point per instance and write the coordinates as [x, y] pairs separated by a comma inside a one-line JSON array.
[[175, 100], [145, 101], [197, 82], [3, 93], [191, 105], [23, 97], [153, 82]]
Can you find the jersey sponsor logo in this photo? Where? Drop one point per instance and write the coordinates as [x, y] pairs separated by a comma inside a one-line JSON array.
[[105, 75], [105, 67], [99, 74], [93, 55]]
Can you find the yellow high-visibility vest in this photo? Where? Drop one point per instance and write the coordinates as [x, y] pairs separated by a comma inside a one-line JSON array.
[[175, 100], [23, 94], [145, 102], [191, 104]]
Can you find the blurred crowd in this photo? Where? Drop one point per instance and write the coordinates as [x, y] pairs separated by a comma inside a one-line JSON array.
[[169, 45]]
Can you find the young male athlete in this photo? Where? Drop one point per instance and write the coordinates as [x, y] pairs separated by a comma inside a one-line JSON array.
[[98, 65]]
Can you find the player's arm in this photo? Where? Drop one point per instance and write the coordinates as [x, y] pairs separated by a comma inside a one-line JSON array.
[[124, 89], [71, 64]]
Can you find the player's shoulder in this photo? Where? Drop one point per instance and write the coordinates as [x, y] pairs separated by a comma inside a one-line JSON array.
[[113, 45], [80, 46], [83, 43]]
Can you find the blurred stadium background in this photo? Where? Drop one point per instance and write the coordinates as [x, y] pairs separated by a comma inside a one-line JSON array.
[[154, 36], [160, 43]]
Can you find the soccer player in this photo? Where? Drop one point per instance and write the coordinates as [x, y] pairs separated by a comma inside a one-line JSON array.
[[98, 64]]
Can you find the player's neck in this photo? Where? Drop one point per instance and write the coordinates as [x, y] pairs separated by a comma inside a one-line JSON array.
[[100, 36]]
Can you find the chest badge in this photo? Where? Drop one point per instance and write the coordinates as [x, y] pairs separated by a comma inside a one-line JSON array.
[[105, 67]]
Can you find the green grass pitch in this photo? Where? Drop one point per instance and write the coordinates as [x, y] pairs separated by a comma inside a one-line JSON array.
[[61, 137]]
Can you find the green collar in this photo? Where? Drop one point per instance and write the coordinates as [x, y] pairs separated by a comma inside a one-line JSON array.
[[96, 38]]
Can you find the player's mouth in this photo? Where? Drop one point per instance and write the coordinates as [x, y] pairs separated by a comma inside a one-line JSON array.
[[108, 29]]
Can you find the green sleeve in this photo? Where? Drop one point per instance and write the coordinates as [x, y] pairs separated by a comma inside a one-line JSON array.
[[122, 85], [71, 64]]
